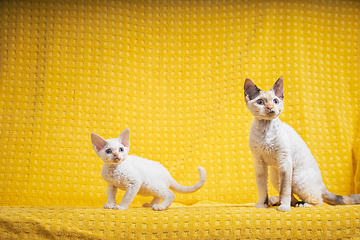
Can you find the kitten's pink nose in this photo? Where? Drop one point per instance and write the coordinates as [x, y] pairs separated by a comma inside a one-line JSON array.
[[270, 107]]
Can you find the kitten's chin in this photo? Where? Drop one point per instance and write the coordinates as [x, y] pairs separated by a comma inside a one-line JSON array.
[[115, 161], [268, 116]]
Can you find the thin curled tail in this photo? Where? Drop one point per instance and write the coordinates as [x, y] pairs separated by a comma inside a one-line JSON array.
[[333, 199], [184, 189]]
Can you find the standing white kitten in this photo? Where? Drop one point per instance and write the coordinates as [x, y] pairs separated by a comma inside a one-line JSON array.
[[136, 175], [274, 144]]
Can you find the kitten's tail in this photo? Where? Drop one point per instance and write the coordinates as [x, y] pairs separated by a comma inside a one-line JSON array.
[[333, 199], [184, 189]]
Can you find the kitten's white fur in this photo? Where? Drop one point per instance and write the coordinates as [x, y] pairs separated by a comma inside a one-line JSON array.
[[277, 146], [136, 175]]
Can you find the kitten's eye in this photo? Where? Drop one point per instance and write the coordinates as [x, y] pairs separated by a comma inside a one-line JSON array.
[[276, 101], [108, 151], [260, 102], [121, 149]]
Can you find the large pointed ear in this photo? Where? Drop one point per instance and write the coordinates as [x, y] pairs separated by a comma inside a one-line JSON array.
[[97, 142], [251, 91], [124, 137], [278, 88]]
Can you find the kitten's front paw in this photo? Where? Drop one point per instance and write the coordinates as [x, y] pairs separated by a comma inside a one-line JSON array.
[[274, 201], [261, 205], [109, 206], [284, 208], [159, 208], [118, 207]]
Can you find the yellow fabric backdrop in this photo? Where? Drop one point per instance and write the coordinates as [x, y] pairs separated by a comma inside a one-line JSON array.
[[173, 73]]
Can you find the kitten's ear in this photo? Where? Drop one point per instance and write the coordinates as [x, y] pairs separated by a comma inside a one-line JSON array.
[[97, 142], [278, 88], [251, 91], [124, 137]]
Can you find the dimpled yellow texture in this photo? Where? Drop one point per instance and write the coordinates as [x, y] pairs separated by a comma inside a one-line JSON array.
[[173, 72]]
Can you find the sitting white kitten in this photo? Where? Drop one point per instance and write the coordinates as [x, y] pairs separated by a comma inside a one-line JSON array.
[[274, 144], [136, 175]]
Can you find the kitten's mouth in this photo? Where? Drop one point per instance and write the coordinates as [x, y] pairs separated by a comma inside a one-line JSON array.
[[270, 115]]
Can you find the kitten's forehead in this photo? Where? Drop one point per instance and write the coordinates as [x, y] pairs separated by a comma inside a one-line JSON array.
[[266, 95], [113, 143]]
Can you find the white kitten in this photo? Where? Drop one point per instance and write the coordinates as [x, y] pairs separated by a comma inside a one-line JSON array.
[[136, 175], [274, 144]]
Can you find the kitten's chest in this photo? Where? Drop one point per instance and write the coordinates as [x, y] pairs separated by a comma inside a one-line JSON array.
[[264, 141], [269, 143], [118, 176]]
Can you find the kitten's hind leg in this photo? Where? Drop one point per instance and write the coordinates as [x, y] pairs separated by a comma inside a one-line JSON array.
[[154, 201], [303, 204], [309, 199], [168, 197]]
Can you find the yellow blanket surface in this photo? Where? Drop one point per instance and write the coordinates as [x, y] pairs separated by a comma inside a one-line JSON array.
[[173, 72], [197, 222]]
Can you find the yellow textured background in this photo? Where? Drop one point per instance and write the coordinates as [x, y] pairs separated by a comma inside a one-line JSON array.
[[173, 73]]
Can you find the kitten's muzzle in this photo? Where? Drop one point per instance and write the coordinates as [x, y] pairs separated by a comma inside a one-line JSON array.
[[271, 109], [117, 159], [271, 114]]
